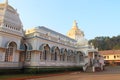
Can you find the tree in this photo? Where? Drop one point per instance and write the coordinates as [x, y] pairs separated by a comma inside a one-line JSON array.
[[106, 43]]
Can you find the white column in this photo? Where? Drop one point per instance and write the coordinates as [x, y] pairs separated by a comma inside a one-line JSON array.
[[93, 68]]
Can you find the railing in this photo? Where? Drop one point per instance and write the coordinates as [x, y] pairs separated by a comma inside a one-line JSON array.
[[86, 65]]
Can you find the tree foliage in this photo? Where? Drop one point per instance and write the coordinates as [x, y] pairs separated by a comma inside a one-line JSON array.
[[106, 43]]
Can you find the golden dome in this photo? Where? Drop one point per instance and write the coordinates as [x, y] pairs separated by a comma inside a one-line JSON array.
[[75, 32]]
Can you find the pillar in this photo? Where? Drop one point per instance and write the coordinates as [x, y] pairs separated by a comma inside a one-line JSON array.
[[93, 67]]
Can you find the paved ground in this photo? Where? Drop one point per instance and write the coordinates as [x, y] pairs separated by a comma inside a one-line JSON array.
[[84, 77], [111, 73]]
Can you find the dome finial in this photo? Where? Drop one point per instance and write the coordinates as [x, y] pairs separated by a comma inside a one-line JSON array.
[[75, 25], [6, 1]]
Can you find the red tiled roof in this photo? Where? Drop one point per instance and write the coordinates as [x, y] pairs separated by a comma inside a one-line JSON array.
[[107, 52]]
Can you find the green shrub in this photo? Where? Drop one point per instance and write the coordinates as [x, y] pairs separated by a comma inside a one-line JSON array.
[[39, 70], [51, 70], [10, 71]]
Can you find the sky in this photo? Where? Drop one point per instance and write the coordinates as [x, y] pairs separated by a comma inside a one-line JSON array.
[[94, 17]]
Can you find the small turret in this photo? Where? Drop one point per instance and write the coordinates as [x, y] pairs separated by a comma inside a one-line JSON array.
[[9, 19], [75, 32], [75, 25], [6, 2]]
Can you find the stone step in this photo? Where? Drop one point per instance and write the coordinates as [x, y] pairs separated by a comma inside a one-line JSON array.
[[89, 69]]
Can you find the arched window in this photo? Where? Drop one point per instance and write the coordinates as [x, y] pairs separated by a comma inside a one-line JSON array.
[[40, 56], [52, 56], [63, 57], [45, 55], [22, 55], [55, 56], [28, 55], [46, 52], [81, 57], [68, 58], [9, 52], [69, 55], [57, 53], [63, 54], [74, 59]]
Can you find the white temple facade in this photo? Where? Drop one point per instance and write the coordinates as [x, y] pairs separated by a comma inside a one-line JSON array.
[[40, 46]]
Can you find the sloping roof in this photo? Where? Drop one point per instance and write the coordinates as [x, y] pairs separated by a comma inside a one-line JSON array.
[[109, 52], [54, 32]]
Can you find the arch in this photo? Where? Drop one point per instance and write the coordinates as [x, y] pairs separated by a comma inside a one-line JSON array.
[[81, 53], [54, 48], [70, 52], [23, 47], [26, 46], [63, 53], [11, 49], [55, 53], [12, 44], [57, 49], [81, 56], [45, 51], [63, 50], [8, 43], [26, 54], [29, 46], [46, 47], [43, 46], [22, 56], [75, 52]]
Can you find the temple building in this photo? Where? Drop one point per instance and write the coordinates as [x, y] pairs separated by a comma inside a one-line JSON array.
[[40, 46]]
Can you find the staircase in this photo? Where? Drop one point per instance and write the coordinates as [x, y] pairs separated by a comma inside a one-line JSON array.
[[89, 69]]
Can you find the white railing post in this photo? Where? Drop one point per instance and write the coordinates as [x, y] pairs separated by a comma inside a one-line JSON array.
[[93, 67]]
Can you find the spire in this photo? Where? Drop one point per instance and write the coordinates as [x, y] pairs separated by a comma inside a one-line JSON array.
[[75, 25], [6, 1]]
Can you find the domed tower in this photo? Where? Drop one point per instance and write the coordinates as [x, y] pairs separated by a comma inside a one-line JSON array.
[[10, 22], [11, 34], [11, 29], [75, 32]]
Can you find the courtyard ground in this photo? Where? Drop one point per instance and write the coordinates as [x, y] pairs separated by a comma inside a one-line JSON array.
[[83, 77], [110, 73]]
